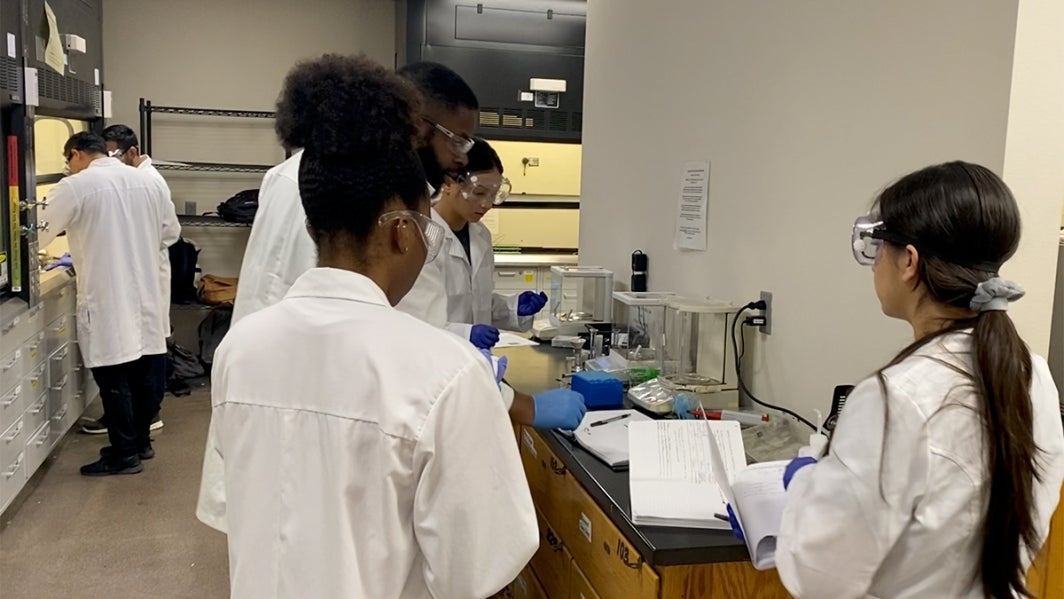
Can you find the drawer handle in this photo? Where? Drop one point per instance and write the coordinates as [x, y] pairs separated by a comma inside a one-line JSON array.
[[39, 406], [14, 435], [43, 437], [507, 274], [61, 414], [623, 553], [61, 356], [554, 542], [10, 325], [10, 399], [11, 364], [62, 384], [16, 466], [556, 468]]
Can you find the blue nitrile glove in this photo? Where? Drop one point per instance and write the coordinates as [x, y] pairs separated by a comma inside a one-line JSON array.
[[735, 528], [63, 261], [558, 408], [530, 302], [484, 336], [795, 465], [498, 365]]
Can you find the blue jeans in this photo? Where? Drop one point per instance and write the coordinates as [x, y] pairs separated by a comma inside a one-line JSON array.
[[131, 395]]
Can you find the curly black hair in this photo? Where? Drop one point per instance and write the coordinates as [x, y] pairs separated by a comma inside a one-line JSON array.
[[354, 120]]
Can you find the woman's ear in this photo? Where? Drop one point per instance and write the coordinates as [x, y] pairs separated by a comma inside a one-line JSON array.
[[909, 264]]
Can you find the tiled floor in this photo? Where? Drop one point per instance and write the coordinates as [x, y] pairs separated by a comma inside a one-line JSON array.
[[120, 536]]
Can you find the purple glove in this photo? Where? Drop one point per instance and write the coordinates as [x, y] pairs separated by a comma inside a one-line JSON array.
[[735, 527], [64, 261], [530, 302], [484, 336], [795, 465]]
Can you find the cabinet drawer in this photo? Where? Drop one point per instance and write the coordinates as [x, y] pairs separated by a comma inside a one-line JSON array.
[[34, 385], [526, 586], [551, 560], [12, 404], [516, 279], [60, 423], [12, 478], [59, 303], [16, 330], [37, 413], [13, 441], [59, 333], [534, 458], [610, 563], [61, 365], [34, 350], [579, 587], [59, 395], [37, 448], [11, 367]]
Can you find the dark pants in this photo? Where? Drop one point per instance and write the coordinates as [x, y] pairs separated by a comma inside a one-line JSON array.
[[131, 394]]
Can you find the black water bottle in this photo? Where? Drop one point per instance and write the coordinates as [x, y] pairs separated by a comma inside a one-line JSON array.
[[639, 271]]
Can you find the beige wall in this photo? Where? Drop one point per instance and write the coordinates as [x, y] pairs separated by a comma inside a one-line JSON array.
[[230, 54], [1034, 163], [805, 110]]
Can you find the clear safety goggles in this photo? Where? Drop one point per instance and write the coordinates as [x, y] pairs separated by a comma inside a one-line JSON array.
[[485, 189], [432, 233], [867, 239], [458, 143]]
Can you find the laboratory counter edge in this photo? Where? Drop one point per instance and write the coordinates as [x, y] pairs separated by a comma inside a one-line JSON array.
[[539, 368]]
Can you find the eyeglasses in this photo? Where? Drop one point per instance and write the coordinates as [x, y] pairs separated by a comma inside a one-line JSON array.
[[458, 143], [485, 189], [432, 233], [866, 239]]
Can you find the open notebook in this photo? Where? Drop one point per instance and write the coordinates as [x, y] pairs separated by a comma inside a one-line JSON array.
[[680, 477], [604, 434]]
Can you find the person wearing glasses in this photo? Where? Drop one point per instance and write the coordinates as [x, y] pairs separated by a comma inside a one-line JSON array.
[[118, 221], [945, 468], [474, 310], [279, 249], [333, 470]]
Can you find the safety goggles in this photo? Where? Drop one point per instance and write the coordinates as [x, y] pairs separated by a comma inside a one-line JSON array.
[[485, 189], [458, 143], [867, 239], [432, 233]]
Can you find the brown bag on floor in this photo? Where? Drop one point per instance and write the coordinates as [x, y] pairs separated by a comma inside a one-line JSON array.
[[217, 291]]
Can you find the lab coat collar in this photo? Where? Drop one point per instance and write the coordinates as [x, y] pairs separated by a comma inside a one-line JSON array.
[[106, 161], [333, 283]]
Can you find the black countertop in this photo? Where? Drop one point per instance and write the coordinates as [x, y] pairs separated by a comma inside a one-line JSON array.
[[535, 369]]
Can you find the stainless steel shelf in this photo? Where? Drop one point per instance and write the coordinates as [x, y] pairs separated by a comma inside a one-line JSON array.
[[243, 114], [214, 167], [208, 220]]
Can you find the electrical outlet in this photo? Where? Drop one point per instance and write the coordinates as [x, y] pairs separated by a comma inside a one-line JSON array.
[[767, 327]]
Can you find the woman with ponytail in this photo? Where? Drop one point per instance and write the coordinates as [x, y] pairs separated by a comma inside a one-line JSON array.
[[946, 466]]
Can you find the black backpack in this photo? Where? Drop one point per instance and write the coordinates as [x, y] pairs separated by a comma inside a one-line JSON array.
[[241, 207], [183, 257], [211, 332]]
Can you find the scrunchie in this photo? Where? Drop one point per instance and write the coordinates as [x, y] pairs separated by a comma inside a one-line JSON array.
[[995, 294]]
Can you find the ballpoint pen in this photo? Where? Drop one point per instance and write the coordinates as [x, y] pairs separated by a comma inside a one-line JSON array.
[[611, 419]]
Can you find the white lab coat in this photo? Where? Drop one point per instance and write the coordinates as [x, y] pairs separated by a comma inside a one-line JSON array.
[[427, 299], [839, 538], [118, 221], [355, 451], [279, 248], [471, 296], [164, 255]]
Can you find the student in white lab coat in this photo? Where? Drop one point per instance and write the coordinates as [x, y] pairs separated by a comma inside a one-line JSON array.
[[946, 466], [279, 249], [474, 309], [118, 221], [355, 451], [122, 144]]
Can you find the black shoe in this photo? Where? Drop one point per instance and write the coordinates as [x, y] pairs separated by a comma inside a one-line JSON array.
[[144, 453], [93, 427], [107, 466]]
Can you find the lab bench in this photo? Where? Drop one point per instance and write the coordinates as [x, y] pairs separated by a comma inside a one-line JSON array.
[[589, 546], [44, 386]]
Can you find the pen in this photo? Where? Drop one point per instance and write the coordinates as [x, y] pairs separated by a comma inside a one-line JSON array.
[[609, 420], [722, 517]]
